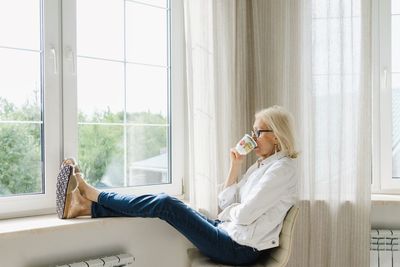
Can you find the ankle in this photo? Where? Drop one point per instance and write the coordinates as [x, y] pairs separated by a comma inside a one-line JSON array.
[[93, 194]]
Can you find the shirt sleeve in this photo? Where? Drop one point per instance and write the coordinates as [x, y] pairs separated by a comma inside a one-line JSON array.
[[268, 191], [229, 195]]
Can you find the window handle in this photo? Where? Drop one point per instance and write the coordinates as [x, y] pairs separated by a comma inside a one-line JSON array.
[[55, 61], [384, 80], [71, 57]]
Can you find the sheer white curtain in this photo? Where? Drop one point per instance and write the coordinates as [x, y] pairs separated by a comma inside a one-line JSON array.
[[217, 93], [313, 57]]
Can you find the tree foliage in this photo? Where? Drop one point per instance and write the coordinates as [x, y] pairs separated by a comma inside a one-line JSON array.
[[20, 153], [101, 147]]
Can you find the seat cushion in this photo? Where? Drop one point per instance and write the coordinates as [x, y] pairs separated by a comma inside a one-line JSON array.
[[197, 259]]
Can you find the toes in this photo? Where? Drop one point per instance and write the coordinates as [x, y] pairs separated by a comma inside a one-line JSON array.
[[72, 162]]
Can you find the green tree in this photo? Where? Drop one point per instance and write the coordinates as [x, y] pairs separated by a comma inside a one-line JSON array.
[[100, 146], [20, 154]]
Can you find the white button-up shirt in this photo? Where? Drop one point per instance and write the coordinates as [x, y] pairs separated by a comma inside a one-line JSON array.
[[253, 209]]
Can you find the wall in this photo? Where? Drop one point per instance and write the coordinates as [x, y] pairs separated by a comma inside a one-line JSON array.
[[151, 241], [385, 216]]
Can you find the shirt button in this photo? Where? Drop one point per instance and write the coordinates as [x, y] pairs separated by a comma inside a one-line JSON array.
[[273, 242]]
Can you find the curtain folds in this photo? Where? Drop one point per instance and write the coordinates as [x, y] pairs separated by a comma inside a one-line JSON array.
[[312, 57]]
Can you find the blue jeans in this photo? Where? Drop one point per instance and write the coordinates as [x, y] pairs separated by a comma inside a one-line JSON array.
[[201, 231]]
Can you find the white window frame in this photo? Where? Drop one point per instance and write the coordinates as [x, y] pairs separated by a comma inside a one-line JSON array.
[[44, 203], [382, 181], [176, 101], [60, 124]]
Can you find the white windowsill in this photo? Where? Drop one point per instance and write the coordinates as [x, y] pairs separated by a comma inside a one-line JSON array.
[[385, 199], [51, 221]]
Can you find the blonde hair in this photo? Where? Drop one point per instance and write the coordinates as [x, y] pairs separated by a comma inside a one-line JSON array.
[[282, 123]]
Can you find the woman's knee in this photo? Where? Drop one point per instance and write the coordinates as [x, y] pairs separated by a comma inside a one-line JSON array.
[[164, 199], [167, 200]]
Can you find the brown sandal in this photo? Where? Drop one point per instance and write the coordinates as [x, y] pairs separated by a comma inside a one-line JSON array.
[[66, 183]]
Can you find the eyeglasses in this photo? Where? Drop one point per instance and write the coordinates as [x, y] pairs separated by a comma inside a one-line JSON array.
[[257, 133]]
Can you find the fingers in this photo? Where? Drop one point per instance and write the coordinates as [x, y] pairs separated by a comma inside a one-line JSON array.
[[235, 154]]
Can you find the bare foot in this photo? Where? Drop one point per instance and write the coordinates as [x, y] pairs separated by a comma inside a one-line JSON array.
[[79, 206], [72, 162], [87, 191]]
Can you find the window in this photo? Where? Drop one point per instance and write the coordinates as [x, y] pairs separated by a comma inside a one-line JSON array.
[[110, 95], [386, 49], [336, 27], [29, 117]]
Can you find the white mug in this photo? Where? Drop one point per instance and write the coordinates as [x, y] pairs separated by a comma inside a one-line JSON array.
[[246, 145]]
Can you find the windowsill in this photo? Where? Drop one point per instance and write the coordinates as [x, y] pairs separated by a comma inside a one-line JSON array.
[[51, 221], [385, 199]]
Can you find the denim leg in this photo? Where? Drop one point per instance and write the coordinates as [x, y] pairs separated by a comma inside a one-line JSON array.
[[99, 210], [201, 231]]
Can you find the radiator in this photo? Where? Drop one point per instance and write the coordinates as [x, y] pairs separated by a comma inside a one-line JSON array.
[[109, 261], [384, 250]]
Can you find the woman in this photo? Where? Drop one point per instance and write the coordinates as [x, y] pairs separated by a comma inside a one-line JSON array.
[[252, 209]]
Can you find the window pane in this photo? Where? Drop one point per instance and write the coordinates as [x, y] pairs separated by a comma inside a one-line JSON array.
[[396, 125], [395, 43], [20, 93], [100, 90], [21, 106], [395, 7], [100, 28], [20, 157], [123, 98], [147, 90], [101, 154], [20, 24], [160, 3], [146, 36], [395, 91], [147, 155]]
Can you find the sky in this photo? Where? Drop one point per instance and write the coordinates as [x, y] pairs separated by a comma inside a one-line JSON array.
[[102, 80]]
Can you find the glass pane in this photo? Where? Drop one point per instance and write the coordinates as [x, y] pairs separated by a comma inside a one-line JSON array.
[[395, 7], [396, 125], [100, 90], [20, 24], [147, 155], [20, 157], [146, 36], [20, 93], [147, 91], [160, 3], [101, 154], [100, 28], [395, 43]]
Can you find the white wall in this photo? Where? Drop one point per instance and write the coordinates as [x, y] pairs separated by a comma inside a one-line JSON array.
[[151, 241], [385, 216]]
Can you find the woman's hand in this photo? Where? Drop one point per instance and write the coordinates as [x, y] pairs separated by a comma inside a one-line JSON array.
[[236, 158]]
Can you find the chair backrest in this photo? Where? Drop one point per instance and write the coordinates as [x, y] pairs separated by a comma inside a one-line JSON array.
[[279, 256]]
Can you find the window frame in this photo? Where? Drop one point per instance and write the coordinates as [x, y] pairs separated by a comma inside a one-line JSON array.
[[382, 181], [176, 99], [60, 124], [44, 203]]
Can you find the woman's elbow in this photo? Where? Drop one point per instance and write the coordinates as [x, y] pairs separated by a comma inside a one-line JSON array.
[[242, 218]]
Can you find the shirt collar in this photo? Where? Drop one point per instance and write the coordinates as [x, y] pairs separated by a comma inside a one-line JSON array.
[[273, 157]]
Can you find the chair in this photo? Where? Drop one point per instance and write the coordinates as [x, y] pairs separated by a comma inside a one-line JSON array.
[[277, 257]]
